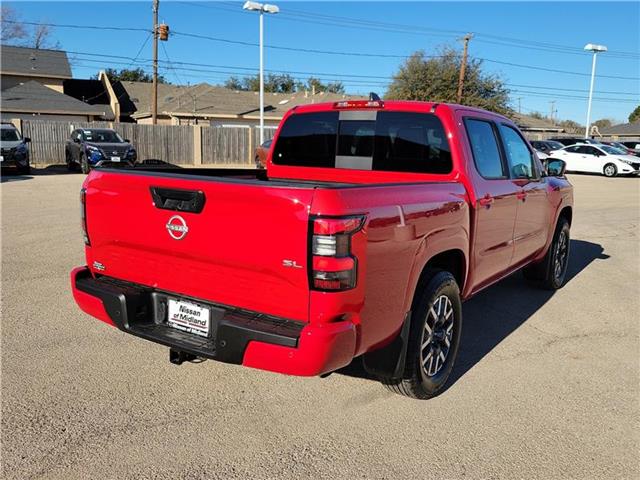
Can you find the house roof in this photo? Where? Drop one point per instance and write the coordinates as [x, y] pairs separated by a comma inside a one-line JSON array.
[[34, 62], [204, 100], [526, 122], [33, 97], [629, 129]]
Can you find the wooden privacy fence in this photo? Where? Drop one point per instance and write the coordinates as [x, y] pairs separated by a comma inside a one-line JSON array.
[[184, 145]]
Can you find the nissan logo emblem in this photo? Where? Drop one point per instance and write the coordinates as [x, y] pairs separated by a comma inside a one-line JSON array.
[[177, 227]]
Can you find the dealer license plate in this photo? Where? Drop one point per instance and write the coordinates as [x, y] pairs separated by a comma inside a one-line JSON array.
[[189, 317], [115, 159]]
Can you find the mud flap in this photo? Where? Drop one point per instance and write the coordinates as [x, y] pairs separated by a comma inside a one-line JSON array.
[[389, 361]]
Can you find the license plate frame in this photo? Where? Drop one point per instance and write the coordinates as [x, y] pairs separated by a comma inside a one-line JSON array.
[[188, 316]]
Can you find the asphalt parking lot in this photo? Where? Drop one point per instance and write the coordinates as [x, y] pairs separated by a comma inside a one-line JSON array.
[[547, 385]]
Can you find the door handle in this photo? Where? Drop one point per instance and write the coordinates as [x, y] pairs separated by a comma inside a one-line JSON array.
[[486, 201]]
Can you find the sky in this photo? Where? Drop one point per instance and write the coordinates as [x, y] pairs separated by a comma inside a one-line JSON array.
[[368, 41]]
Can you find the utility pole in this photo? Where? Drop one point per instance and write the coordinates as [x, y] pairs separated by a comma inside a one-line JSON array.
[[463, 66], [154, 97], [553, 110], [519, 105]]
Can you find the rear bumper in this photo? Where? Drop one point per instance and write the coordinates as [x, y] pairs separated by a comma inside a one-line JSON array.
[[237, 336]]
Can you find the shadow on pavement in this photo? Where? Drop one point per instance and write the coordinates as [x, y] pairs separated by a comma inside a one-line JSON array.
[[498, 311]]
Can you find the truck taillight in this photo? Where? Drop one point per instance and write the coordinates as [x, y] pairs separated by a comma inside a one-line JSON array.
[[334, 267], [83, 215]]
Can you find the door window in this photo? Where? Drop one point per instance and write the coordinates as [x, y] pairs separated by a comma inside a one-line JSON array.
[[519, 157], [484, 145]]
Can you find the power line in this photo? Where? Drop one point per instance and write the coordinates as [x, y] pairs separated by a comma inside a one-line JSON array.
[[240, 70], [91, 27], [359, 23], [341, 53]]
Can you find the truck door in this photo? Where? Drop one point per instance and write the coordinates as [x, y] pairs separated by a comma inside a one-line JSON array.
[[532, 215], [495, 204]]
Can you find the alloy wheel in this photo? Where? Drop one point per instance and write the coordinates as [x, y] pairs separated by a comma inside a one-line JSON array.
[[436, 336], [560, 257]]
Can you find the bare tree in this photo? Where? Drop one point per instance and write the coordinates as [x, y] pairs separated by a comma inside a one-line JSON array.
[[10, 26], [41, 38], [15, 32]]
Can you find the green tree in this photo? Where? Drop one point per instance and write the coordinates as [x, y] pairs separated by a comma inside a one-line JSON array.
[[436, 79], [315, 84], [234, 83], [281, 83], [635, 115], [130, 75]]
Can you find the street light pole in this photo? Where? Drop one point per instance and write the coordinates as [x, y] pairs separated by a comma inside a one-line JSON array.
[[154, 94], [261, 8], [595, 49], [261, 77]]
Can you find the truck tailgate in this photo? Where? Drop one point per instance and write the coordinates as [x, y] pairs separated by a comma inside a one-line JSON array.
[[246, 248]]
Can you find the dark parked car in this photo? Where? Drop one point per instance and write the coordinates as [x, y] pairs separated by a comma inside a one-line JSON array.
[[633, 145], [575, 141], [14, 151], [93, 147], [624, 148], [546, 146]]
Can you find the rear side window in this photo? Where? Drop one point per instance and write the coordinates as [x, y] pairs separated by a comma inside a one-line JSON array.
[[308, 140], [411, 142], [484, 145], [383, 141]]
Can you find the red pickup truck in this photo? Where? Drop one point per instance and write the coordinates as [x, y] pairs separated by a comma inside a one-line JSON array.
[[371, 224]]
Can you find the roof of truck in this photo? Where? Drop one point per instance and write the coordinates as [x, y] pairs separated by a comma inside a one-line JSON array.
[[405, 105]]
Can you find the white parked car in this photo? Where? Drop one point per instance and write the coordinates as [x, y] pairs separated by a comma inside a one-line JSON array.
[[603, 159]]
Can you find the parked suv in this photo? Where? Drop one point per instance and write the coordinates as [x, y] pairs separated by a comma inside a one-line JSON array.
[[93, 147], [14, 151]]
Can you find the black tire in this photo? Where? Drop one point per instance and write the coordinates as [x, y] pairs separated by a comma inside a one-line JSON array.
[[610, 170], [26, 170], [84, 164], [71, 165], [421, 379], [550, 273]]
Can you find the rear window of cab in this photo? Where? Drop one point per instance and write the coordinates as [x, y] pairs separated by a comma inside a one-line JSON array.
[[365, 140]]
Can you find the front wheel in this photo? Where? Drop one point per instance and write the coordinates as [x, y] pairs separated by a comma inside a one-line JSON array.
[[436, 325], [610, 170]]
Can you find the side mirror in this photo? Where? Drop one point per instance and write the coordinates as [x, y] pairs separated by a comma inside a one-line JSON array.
[[126, 140], [555, 167], [26, 140], [75, 140]]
